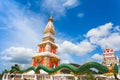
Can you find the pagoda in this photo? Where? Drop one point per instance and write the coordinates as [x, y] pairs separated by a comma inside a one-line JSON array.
[[47, 49], [109, 57]]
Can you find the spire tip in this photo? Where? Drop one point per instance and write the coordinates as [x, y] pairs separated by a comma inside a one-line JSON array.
[[50, 19]]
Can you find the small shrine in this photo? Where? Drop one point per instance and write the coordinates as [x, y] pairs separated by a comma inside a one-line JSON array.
[[109, 57]]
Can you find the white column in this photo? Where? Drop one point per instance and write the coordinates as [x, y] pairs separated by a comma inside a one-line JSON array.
[[51, 77], [6, 77], [35, 77]]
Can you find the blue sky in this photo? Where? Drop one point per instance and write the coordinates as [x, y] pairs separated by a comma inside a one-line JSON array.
[[84, 29]]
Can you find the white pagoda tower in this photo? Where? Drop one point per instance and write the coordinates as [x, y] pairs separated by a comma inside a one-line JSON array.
[[47, 49]]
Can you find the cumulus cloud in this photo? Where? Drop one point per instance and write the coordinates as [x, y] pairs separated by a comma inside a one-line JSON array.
[[17, 55], [82, 48], [105, 35], [98, 33], [66, 58], [117, 28], [97, 57], [112, 41]]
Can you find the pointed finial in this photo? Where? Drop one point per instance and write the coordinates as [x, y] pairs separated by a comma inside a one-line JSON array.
[[51, 14], [50, 19]]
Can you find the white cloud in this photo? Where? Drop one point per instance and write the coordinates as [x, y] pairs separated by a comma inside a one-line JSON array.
[[105, 35], [82, 48], [70, 3], [97, 57], [117, 28], [98, 33], [58, 6], [66, 58], [112, 41], [17, 55]]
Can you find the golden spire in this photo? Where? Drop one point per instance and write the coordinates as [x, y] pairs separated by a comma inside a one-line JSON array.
[[49, 27]]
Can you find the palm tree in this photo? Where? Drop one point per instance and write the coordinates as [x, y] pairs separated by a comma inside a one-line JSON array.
[[14, 70]]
